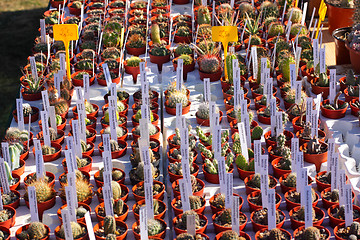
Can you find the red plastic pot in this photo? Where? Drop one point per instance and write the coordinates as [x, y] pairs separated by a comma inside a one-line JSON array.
[[250, 189], [318, 227], [257, 234], [161, 235], [290, 205], [316, 159], [118, 223], [216, 209], [296, 224], [258, 227], [334, 12], [253, 207], [200, 230], [44, 205], [172, 111], [198, 193], [159, 196], [318, 90], [242, 234], [82, 220], [178, 211], [34, 117], [101, 183], [214, 178], [212, 76], [52, 157], [336, 221], [174, 177], [57, 229], [206, 122], [24, 228], [123, 217], [218, 228], [277, 171], [333, 114], [116, 154], [141, 202]]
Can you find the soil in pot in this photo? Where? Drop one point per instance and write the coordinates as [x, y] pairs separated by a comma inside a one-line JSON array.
[[259, 219], [197, 203], [276, 233], [302, 234], [222, 220]]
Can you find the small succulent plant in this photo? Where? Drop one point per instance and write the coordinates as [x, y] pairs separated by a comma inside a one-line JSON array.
[[77, 230], [177, 97]]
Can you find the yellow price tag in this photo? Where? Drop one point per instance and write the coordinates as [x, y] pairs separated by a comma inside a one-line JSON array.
[[225, 34], [322, 14], [66, 33]]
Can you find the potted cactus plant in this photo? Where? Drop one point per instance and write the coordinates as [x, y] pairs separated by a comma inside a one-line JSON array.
[[209, 64], [158, 190], [159, 55], [197, 187], [197, 203], [275, 233], [336, 110], [217, 202], [222, 220], [177, 97], [121, 210], [78, 231], [159, 209], [321, 85], [110, 228], [252, 183], [156, 228], [317, 232], [179, 222], [132, 66], [154, 132], [136, 45], [315, 152], [230, 234], [189, 64], [80, 212], [297, 217], [32, 90], [342, 232], [33, 230], [293, 197], [183, 48], [259, 219], [337, 214], [255, 200], [118, 148], [202, 114]]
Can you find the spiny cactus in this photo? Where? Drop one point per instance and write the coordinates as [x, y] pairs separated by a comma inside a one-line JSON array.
[[219, 201], [114, 145], [109, 225], [133, 61], [312, 233], [296, 16], [243, 164], [43, 191], [183, 220], [116, 189], [37, 230], [203, 16], [195, 202], [334, 195], [118, 207], [119, 131], [81, 162], [323, 80], [159, 50], [77, 230], [351, 79], [14, 134], [229, 66], [297, 28], [255, 181], [209, 63], [355, 229], [284, 164], [4, 215], [225, 216], [177, 97], [314, 146], [230, 235], [47, 150], [81, 211], [276, 234], [154, 227], [301, 214], [275, 29], [284, 66], [140, 171], [256, 133], [152, 129], [110, 237], [187, 59], [290, 180]]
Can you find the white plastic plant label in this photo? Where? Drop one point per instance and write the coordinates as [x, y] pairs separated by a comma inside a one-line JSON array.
[[70, 202], [45, 100], [308, 207], [107, 75], [62, 62], [331, 152], [222, 173], [297, 56], [342, 183], [145, 157], [243, 108], [216, 140], [236, 81], [292, 75], [301, 180], [57, 81], [112, 117], [52, 117], [3, 177], [309, 107], [268, 90], [298, 86], [322, 60], [45, 128], [246, 121], [81, 117], [190, 224], [39, 162], [235, 214], [316, 52], [145, 112], [271, 208], [229, 190], [263, 67], [279, 123], [254, 61], [107, 194], [6, 152], [273, 110], [332, 85], [67, 224], [149, 200], [113, 90], [288, 27], [207, 91], [348, 205], [108, 166], [79, 94], [294, 151], [42, 30], [71, 178], [33, 204], [243, 142], [70, 161], [264, 180], [179, 74], [184, 193], [143, 223], [1, 203], [257, 155], [334, 169], [212, 111], [20, 113], [86, 84], [178, 115], [314, 121], [89, 226], [76, 134], [311, 19], [33, 68]]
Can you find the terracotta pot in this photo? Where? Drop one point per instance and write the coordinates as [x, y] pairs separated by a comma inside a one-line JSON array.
[[161, 235], [59, 127], [277, 171], [44, 205], [250, 189], [172, 111], [24, 228], [290, 205], [48, 174], [327, 204], [336, 221], [141, 202], [242, 234], [218, 228], [34, 117], [93, 114], [284, 188], [181, 2], [82, 220], [198, 193], [318, 227], [316, 159], [159, 196], [257, 234], [214, 178], [57, 229], [116, 154], [155, 136], [10, 222], [186, 68], [321, 136], [337, 237], [262, 119], [258, 227], [318, 90], [178, 211], [216, 209], [124, 189], [86, 168], [354, 110], [200, 230], [288, 135], [101, 183], [174, 177], [32, 96], [244, 174], [154, 122], [320, 185], [334, 12], [59, 140], [135, 51], [296, 224], [206, 122], [333, 114], [17, 184], [254, 207], [52, 157], [213, 76], [341, 53], [118, 223], [159, 60], [123, 217]]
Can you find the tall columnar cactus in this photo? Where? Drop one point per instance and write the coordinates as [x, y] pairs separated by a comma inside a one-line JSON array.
[[229, 66], [154, 227], [118, 207], [109, 225], [195, 202], [155, 33], [37, 230], [116, 189], [312, 233]]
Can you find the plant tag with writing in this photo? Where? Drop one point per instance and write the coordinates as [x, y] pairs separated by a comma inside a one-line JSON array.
[[70, 161], [207, 91], [145, 113], [1, 203], [309, 107], [184, 150], [332, 85], [316, 52], [271, 209], [184, 195], [81, 117], [39, 161], [308, 207], [6, 152], [348, 205], [331, 152], [149, 200], [89, 226], [235, 214], [52, 117], [107, 194], [45, 128], [292, 75], [342, 183], [76, 134], [70, 202], [33, 204], [179, 74], [264, 180], [178, 115], [298, 86], [222, 173], [301, 180], [190, 224], [71, 178], [279, 123], [216, 140], [243, 142], [334, 169], [268, 89], [33, 68], [57, 81], [229, 191], [67, 224], [42, 30], [143, 223], [294, 151], [107, 75], [273, 110], [112, 117], [322, 60], [3, 177], [257, 155], [254, 61], [20, 113]]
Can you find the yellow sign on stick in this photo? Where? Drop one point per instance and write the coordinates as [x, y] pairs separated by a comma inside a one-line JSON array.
[[225, 34], [66, 33], [322, 14]]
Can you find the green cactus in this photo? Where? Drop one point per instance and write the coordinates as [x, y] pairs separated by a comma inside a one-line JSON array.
[[155, 33], [323, 80], [77, 230], [183, 48], [225, 216], [110, 237], [334, 195], [159, 50], [83, 190], [109, 225], [296, 16], [4, 215], [355, 229], [81, 211], [43, 191], [47, 150], [203, 16], [154, 227], [276, 234], [351, 79], [290, 180], [116, 189], [229, 66], [118, 207], [219, 201], [275, 29], [119, 131], [230, 235], [255, 180], [177, 97], [284, 66], [312, 233], [187, 59], [242, 164], [152, 130], [195, 202], [256, 133], [209, 63], [284, 164], [133, 61], [183, 219], [24, 235], [37, 230]]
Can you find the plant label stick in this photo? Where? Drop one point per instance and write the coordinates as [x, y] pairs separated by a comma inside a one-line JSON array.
[[106, 157], [264, 179], [86, 84], [288, 27], [304, 13], [235, 213], [184, 150], [67, 224], [222, 173], [112, 117], [212, 111], [271, 209], [62, 62], [342, 183], [294, 151], [312, 18], [298, 86], [179, 74], [45, 128], [42, 30], [71, 178], [216, 140], [309, 107], [81, 117], [107, 75], [314, 30], [283, 13], [263, 67], [45, 100], [229, 191], [245, 119], [332, 84], [143, 223], [57, 81], [207, 90], [33, 68], [70, 161], [70, 203], [107, 194], [268, 89], [237, 87], [243, 142], [52, 117], [145, 112], [33, 204], [335, 172], [89, 226], [3, 177], [149, 202], [20, 113], [190, 224], [331, 153], [316, 52], [292, 75], [257, 155], [70, 144], [76, 134], [144, 130], [6, 152], [39, 161], [301, 180], [178, 115], [322, 60], [308, 207], [348, 205], [254, 61], [279, 123], [1, 203], [184, 195]]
